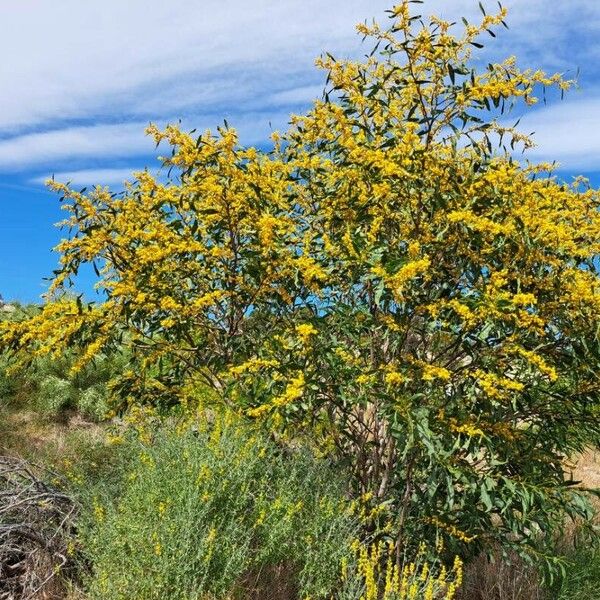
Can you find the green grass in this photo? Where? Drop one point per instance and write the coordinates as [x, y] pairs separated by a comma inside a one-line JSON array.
[[582, 580]]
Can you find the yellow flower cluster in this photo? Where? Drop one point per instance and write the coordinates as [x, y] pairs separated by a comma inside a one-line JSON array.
[[254, 365], [398, 281], [293, 391], [452, 530], [431, 372], [305, 331], [537, 361], [466, 428], [383, 579], [393, 378], [479, 224], [496, 386]]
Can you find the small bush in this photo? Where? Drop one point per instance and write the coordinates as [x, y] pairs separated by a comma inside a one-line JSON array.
[[53, 394], [7, 383], [216, 513], [51, 386], [93, 402], [13, 386], [59, 387]]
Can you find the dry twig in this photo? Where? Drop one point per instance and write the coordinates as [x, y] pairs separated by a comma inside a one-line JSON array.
[[36, 524]]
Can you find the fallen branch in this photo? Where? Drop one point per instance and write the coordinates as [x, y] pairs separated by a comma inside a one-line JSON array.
[[36, 525]]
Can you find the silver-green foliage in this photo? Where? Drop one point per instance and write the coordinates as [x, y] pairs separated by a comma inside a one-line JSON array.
[[49, 385], [213, 514]]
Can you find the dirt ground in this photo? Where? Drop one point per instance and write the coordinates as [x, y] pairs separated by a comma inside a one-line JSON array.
[[587, 469]]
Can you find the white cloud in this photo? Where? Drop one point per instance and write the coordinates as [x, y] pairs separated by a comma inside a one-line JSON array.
[[300, 95], [567, 132], [100, 58], [53, 149], [50, 147], [102, 62], [92, 176], [73, 59]]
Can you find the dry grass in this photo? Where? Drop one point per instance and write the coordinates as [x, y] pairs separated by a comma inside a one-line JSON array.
[[276, 582], [497, 579], [28, 434]]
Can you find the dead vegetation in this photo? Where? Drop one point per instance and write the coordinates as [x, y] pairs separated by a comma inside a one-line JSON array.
[[493, 578], [36, 529]]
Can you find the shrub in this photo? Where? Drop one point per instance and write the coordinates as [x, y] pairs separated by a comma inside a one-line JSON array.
[[374, 574], [9, 384], [388, 279], [53, 394], [93, 402], [14, 385], [219, 511], [51, 386], [57, 386]]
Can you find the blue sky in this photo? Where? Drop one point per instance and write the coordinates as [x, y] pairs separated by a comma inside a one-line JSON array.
[[81, 80]]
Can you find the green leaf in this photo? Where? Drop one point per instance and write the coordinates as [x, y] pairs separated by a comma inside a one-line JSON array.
[[451, 72]]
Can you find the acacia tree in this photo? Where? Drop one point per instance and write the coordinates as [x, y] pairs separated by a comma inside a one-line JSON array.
[[389, 279]]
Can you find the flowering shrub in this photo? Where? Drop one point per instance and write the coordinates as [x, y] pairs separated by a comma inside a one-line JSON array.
[[52, 384], [215, 513], [374, 574], [388, 281]]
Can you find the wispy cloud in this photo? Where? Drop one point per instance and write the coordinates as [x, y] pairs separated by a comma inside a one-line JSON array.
[[143, 59], [79, 59], [90, 75], [52, 149], [567, 132], [92, 176], [299, 95]]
